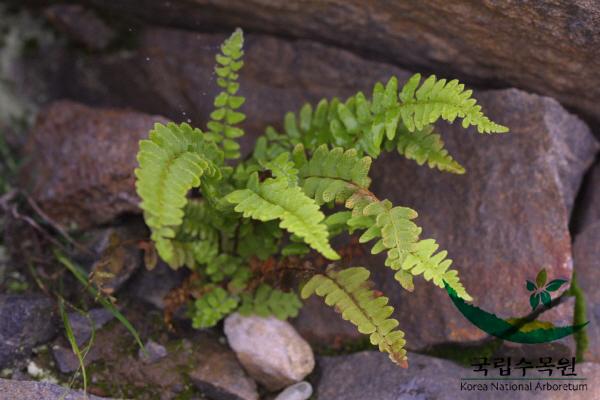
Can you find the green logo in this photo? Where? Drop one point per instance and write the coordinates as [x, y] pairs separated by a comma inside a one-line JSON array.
[[521, 330]]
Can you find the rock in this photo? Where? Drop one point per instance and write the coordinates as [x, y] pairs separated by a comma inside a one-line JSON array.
[[298, 391], [488, 41], [66, 361], [269, 349], [588, 212], [501, 222], [84, 325], [171, 72], [219, 375], [19, 390], [370, 375], [81, 25], [154, 352], [114, 254], [153, 286], [586, 253], [25, 321], [81, 161]]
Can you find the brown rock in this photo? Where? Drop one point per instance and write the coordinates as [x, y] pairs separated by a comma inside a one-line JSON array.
[[501, 222], [588, 212], [81, 25], [586, 252], [81, 161], [542, 47]]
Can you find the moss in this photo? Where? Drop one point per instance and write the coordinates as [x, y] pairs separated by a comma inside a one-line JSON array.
[[463, 354], [579, 317]]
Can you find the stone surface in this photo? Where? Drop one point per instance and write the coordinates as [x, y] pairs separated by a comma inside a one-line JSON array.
[[153, 286], [84, 325], [25, 321], [80, 162], [586, 252], [154, 352], [370, 375], [544, 47], [114, 253], [269, 349], [501, 222], [81, 25], [298, 391], [589, 208], [20, 390], [170, 72], [218, 374]]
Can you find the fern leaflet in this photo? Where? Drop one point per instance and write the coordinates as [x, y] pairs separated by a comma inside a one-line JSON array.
[[349, 292]]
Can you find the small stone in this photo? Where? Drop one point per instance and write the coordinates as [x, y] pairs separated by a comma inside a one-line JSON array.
[[270, 350], [219, 374], [83, 325], [32, 390], [154, 352], [298, 391], [66, 360], [25, 321]]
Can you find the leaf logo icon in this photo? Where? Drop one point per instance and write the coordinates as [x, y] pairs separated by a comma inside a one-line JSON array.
[[541, 291]]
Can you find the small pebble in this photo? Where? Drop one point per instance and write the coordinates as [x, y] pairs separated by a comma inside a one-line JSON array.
[[298, 391]]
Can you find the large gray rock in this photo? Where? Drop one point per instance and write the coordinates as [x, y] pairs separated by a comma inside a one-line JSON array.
[[25, 321], [370, 375], [586, 252], [21, 390], [269, 349], [80, 162], [548, 48]]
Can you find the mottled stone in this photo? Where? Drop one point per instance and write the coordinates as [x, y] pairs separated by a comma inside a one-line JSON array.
[[25, 321], [153, 352], [21, 390], [81, 25], [586, 252], [80, 162], [548, 48], [269, 349], [370, 375]]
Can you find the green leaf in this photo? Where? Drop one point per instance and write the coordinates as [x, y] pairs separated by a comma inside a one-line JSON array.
[[554, 285], [541, 277], [530, 286], [546, 299], [534, 300]]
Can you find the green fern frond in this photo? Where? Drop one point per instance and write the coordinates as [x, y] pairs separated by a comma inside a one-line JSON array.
[[171, 162], [224, 120], [275, 199], [434, 266], [437, 98], [266, 301], [212, 307], [333, 175], [426, 146], [394, 230], [349, 292]]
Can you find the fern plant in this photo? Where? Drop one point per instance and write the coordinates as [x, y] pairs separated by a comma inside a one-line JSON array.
[[239, 222]]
